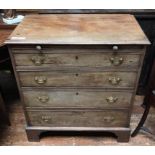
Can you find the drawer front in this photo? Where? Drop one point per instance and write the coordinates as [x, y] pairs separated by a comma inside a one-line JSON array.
[[118, 60], [79, 79], [70, 49], [79, 118], [76, 98]]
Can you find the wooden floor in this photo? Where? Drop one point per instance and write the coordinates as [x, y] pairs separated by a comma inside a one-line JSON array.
[[15, 134]]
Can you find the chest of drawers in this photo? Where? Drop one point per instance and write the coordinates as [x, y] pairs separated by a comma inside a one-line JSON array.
[[77, 72]]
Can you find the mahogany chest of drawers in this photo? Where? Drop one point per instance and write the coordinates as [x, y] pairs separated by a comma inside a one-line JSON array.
[[77, 72]]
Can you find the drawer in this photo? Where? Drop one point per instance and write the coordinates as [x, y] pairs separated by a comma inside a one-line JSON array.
[[78, 79], [110, 60], [76, 98], [70, 49], [78, 118]]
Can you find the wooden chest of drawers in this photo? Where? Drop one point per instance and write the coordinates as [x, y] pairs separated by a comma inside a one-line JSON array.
[[77, 72]]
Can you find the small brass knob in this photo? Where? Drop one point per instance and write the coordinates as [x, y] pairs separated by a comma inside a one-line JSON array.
[[108, 119], [38, 60], [111, 99], [45, 118], [116, 61], [43, 99], [40, 79], [38, 47], [115, 48], [114, 80]]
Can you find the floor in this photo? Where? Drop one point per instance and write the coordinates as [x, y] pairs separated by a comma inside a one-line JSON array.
[[15, 134]]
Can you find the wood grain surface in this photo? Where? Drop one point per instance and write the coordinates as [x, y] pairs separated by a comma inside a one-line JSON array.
[[79, 60], [77, 118], [78, 79], [79, 29], [68, 66], [76, 98]]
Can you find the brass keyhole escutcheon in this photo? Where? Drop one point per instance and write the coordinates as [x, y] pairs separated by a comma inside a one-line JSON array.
[[76, 57], [77, 93]]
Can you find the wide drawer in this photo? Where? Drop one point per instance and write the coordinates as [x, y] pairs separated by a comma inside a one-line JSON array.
[[110, 60], [57, 49], [76, 98], [78, 79], [78, 118]]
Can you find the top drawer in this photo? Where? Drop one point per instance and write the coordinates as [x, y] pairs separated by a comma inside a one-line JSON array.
[[79, 60], [81, 57]]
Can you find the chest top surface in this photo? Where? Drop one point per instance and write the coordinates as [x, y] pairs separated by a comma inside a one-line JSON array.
[[78, 29]]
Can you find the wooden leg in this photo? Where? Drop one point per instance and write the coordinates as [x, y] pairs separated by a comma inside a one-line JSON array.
[[33, 135], [123, 136]]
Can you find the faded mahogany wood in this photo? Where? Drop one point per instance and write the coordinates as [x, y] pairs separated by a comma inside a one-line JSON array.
[[78, 79], [71, 48], [34, 133], [76, 98], [69, 87], [78, 29], [77, 118], [77, 60]]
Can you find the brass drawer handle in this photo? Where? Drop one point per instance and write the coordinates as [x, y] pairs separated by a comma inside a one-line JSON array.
[[111, 99], [45, 118], [38, 60], [40, 79], [108, 119], [43, 99], [116, 61], [114, 80]]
